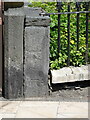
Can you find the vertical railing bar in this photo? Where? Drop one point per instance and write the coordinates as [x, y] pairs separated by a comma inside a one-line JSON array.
[[59, 16], [68, 29], [78, 26], [87, 35], [59, 33]]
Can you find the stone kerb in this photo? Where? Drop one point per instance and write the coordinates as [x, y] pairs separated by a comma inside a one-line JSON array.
[[71, 74], [36, 63]]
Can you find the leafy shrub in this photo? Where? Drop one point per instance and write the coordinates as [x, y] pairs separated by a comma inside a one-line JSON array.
[[77, 58]]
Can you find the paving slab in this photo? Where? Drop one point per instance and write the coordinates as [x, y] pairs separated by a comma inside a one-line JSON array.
[[37, 109], [38, 103], [43, 109], [72, 116], [37, 112], [8, 116], [9, 107], [73, 110], [1, 116]]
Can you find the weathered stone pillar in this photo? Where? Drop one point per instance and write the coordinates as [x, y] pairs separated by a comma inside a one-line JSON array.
[[13, 52], [36, 64], [0, 46]]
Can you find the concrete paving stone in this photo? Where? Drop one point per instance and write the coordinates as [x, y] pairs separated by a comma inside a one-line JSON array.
[[72, 116], [37, 112], [8, 116], [38, 103], [79, 109], [89, 111], [61, 116], [2, 104], [1, 116], [9, 106], [43, 109]]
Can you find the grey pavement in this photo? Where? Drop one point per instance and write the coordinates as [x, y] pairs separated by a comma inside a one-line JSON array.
[[43, 109]]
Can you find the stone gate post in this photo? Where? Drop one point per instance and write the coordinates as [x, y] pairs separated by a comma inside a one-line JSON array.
[[36, 61], [26, 52], [13, 52]]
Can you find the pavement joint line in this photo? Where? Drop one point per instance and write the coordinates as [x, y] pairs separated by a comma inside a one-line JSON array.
[[17, 109], [7, 114], [13, 112], [58, 107]]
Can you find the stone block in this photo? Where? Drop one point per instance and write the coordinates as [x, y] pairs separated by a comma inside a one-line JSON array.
[[58, 76], [76, 73], [33, 17], [35, 88], [71, 74], [89, 71], [13, 52], [62, 75], [32, 11], [37, 21], [80, 73], [34, 38], [84, 72], [36, 61]]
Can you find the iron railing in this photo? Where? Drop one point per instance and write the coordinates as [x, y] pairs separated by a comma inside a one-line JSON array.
[[68, 13]]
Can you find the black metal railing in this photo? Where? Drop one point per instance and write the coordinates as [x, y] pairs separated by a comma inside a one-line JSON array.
[[68, 13]]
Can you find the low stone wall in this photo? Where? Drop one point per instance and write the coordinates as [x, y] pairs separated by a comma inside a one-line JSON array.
[[71, 74], [26, 55]]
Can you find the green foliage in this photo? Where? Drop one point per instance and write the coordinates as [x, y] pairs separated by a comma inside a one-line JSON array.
[[77, 58]]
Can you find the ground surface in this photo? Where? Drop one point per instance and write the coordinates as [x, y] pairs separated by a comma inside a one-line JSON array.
[[81, 94], [65, 101], [43, 109], [77, 91], [69, 92]]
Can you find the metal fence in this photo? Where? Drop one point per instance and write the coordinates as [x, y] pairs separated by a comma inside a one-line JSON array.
[[77, 11]]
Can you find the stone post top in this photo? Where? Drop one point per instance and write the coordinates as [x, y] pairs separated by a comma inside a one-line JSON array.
[[14, 12], [13, 5], [33, 17], [33, 11], [32, 14]]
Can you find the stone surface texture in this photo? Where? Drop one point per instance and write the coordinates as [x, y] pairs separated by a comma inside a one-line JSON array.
[[71, 74], [36, 53], [26, 48], [43, 109], [13, 52]]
